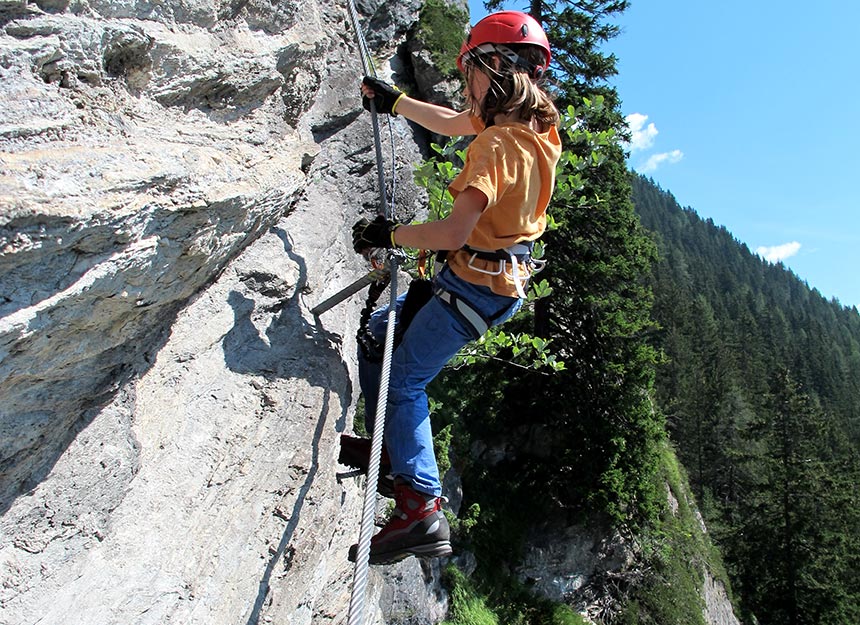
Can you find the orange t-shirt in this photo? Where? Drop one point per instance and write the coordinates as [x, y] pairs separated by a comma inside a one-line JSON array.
[[514, 166]]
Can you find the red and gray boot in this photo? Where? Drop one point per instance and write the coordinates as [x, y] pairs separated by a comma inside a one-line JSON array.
[[417, 527]]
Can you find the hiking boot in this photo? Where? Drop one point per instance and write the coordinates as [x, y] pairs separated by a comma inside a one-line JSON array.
[[417, 527], [355, 452]]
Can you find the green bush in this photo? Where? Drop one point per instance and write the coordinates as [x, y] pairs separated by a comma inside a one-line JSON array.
[[441, 28]]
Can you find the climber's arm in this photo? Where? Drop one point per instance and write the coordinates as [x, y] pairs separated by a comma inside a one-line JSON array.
[[449, 233]]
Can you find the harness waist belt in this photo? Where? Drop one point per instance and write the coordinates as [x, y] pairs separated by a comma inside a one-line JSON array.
[[521, 251], [517, 256]]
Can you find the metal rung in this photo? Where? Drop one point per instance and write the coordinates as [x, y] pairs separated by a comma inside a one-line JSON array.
[[348, 474]]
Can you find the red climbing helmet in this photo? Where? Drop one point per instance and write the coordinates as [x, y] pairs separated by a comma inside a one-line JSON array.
[[506, 27]]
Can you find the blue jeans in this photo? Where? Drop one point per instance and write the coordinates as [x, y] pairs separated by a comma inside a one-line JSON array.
[[435, 335]]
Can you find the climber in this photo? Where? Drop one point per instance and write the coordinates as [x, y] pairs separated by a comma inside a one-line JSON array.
[[500, 199]]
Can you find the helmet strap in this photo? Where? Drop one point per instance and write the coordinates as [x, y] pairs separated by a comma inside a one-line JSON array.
[[534, 70]]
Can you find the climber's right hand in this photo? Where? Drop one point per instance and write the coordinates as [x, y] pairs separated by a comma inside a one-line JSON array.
[[384, 95]]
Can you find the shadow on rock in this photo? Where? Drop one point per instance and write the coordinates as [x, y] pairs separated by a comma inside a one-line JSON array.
[[289, 348]]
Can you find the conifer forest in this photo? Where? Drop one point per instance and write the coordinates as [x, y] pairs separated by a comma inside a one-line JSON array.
[[761, 393]]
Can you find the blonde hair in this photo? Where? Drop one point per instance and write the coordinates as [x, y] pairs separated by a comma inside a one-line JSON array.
[[512, 90]]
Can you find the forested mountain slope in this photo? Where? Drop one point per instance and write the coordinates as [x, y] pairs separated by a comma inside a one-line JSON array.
[[761, 390]]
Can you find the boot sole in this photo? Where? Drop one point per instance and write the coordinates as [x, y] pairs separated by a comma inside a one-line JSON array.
[[438, 549]]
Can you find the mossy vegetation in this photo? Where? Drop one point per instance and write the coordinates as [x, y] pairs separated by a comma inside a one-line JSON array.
[[675, 552]]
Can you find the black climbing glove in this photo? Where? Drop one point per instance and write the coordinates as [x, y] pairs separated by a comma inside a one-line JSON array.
[[376, 233], [385, 97]]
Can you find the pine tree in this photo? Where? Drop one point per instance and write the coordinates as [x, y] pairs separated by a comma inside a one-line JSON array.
[[793, 510], [597, 421], [718, 303]]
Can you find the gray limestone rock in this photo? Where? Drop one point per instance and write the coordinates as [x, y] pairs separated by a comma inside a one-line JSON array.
[[176, 188]]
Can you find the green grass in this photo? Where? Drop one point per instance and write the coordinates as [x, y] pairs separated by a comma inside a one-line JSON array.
[[467, 606], [518, 607]]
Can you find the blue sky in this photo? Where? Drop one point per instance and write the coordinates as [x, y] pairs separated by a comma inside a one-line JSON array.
[[749, 113]]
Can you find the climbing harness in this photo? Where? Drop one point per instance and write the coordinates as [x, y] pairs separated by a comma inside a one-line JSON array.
[[473, 318], [517, 256]]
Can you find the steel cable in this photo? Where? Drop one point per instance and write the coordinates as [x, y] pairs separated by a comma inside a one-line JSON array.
[[362, 560]]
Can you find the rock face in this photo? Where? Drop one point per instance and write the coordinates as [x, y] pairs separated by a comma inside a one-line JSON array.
[[177, 182]]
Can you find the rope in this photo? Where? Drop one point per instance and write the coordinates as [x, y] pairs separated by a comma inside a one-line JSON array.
[[362, 560]]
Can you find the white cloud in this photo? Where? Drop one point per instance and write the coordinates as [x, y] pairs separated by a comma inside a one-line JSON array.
[[777, 253], [641, 136], [655, 160]]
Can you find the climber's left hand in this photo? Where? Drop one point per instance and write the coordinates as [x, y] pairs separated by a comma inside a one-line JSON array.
[[384, 95], [377, 233]]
